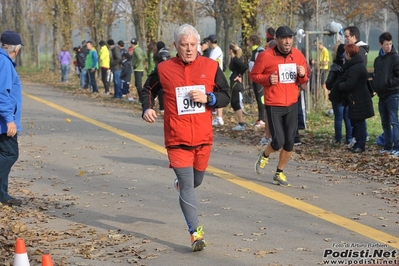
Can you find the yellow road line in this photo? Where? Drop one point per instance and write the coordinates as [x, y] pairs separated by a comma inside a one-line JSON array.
[[336, 219]]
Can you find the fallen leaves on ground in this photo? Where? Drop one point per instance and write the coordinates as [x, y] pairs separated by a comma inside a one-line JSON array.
[[78, 240]]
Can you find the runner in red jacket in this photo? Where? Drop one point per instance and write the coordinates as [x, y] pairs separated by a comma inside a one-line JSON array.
[[193, 85], [280, 70]]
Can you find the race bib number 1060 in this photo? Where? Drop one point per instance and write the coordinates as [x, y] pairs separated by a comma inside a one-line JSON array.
[[287, 73], [185, 105]]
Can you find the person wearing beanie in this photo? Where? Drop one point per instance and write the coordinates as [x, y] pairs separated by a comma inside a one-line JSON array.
[[84, 76], [340, 111], [10, 112], [160, 45], [116, 68], [205, 49], [270, 34], [121, 45], [138, 59], [217, 55], [126, 76], [162, 54]]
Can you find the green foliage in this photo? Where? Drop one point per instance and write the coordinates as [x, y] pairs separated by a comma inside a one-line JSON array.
[[151, 20], [248, 17]]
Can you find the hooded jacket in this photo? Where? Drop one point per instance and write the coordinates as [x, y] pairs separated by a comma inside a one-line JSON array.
[[10, 93], [126, 73], [364, 49], [386, 73]]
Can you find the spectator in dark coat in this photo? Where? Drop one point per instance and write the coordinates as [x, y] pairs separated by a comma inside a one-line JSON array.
[[340, 111], [353, 84], [116, 67]]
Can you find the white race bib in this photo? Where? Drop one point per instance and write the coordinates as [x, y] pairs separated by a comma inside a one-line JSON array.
[[185, 105], [287, 73]]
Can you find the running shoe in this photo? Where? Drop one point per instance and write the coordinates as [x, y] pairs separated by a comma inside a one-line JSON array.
[[261, 163], [280, 179], [217, 121], [238, 127], [384, 151], [176, 184], [264, 141], [197, 240], [395, 153], [352, 143]]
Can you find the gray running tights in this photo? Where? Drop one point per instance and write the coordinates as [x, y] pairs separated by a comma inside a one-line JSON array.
[[189, 178]]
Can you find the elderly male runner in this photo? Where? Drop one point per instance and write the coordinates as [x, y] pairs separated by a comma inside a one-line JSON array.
[[193, 85]]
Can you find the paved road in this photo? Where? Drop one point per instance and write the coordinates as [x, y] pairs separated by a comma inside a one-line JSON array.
[[106, 170]]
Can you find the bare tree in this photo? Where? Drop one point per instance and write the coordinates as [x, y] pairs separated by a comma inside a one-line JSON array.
[[393, 6]]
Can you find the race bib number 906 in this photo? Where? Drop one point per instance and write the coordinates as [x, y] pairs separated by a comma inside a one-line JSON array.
[[287, 73], [185, 105]]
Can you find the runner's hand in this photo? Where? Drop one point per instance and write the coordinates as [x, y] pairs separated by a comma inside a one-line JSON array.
[[198, 96], [150, 115], [273, 78], [301, 71]]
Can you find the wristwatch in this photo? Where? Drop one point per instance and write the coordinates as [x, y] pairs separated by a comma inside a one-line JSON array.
[[209, 98]]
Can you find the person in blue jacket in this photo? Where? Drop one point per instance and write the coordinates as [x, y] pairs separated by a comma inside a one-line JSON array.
[[10, 111]]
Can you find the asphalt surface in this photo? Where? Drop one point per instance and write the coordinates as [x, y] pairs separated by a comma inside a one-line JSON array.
[[108, 170]]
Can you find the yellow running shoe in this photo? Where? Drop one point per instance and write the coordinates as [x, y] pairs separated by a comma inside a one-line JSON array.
[[261, 163], [197, 240], [280, 179]]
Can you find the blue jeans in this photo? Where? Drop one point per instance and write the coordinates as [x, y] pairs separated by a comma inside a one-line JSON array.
[[117, 84], [359, 132], [92, 80], [388, 108], [8, 156], [341, 113], [64, 73], [83, 78]]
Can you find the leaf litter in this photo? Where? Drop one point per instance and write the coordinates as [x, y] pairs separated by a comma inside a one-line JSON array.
[[313, 151]]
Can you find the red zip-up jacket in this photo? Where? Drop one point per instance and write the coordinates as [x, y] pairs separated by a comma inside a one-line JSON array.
[[267, 62], [188, 130]]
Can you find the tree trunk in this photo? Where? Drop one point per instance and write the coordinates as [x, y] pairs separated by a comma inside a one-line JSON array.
[[55, 36]]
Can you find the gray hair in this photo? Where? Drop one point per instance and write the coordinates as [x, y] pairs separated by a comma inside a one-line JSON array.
[[186, 30], [11, 48]]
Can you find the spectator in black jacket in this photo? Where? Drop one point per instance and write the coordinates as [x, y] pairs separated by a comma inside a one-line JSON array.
[[353, 84], [386, 85], [126, 76], [205, 49], [238, 68], [340, 111], [115, 65]]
